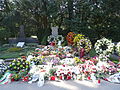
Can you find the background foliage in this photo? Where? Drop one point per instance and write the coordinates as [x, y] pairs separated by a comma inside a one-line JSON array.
[[94, 18]]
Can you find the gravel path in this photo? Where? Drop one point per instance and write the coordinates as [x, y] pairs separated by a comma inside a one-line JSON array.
[[62, 85]]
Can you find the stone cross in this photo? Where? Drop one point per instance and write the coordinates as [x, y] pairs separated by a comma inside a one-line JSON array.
[[21, 36], [54, 31]]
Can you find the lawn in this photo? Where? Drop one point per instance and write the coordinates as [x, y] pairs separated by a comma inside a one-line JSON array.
[[7, 52]]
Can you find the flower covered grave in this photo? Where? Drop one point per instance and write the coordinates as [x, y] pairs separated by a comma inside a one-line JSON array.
[[65, 63]]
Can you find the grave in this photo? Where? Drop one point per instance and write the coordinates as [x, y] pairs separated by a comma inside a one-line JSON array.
[[21, 38], [54, 34]]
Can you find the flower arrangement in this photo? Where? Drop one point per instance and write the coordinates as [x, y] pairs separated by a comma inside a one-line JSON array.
[[60, 38], [18, 65], [104, 46], [19, 68], [38, 60], [3, 66], [69, 61], [51, 39], [118, 48], [77, 38], [77, 60], [84, 43], [70, 38], [22, 75]]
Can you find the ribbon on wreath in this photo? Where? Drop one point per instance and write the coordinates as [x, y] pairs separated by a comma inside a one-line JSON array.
[[82, 52], [6, 78]]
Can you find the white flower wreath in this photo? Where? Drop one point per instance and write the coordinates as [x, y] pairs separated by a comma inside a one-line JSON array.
[[51, 38], [60, 38], [84, 43], [118, 48], [104, 46]]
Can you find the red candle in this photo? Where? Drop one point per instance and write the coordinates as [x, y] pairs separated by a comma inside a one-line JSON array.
[[89, 78], [60, 77], [99, 81], [52, 78], [68, 77]]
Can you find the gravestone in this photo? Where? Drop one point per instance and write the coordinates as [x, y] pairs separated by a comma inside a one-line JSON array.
[[21, 35], [54, 31]]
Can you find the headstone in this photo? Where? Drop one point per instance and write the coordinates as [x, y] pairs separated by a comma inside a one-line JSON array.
[[21, 36], [54, 31], [20, 44]]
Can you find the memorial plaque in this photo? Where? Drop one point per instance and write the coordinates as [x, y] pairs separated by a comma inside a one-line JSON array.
[[20, 44]]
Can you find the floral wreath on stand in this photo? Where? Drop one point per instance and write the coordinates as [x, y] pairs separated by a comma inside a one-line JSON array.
[[51, 39], [70, 38], [84, 43], [118, 48], [104, 47], [60, 38], [77, 38]]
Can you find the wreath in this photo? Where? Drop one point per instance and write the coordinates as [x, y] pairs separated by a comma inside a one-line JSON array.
[[77, 38], [118, 48], [84, 43], [60, 38], [51, 39], [104, 46], [70, 38]]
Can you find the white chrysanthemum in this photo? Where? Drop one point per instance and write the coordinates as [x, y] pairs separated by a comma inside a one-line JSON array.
[[104, 46], [118, 48], [51, 38], [102, 57], [60, 38]]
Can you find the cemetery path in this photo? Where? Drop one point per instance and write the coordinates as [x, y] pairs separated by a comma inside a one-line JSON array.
[[62, 85]]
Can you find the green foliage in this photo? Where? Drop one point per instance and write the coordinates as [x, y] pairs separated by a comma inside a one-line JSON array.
[[93, 18], [115, 60], [4, 35], [92, 53], [52, 72], [16, 76], [14, 49]]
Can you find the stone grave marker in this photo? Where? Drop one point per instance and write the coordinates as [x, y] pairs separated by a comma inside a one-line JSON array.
[[54, 31]]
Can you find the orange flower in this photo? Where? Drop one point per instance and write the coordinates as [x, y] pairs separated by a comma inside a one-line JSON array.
[[70, 38]]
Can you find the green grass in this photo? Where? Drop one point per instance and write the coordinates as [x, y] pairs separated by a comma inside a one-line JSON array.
[[6, 53]]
